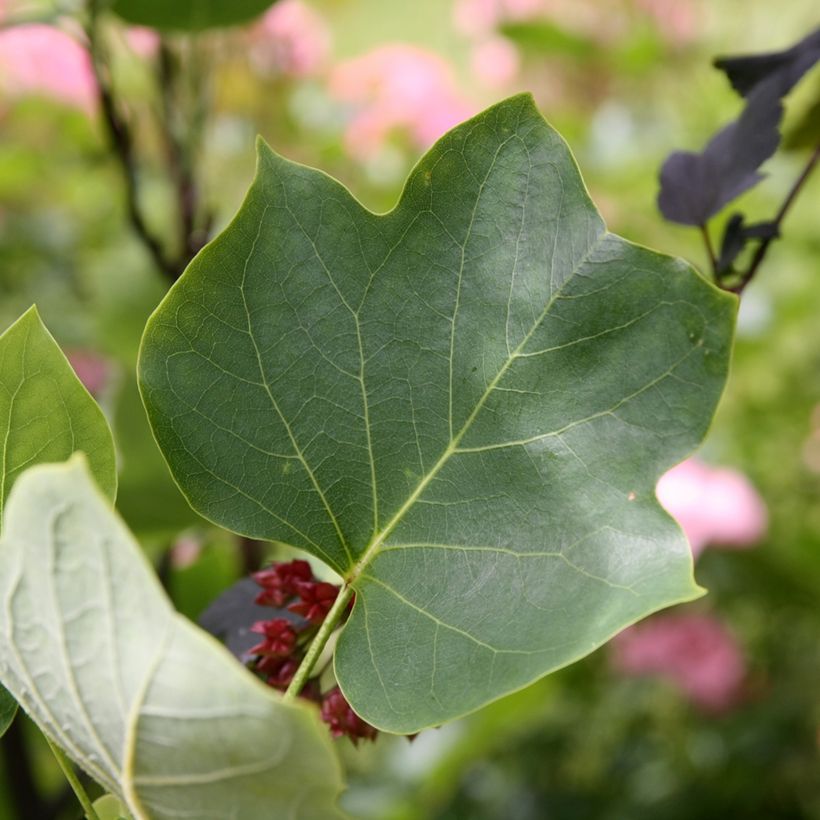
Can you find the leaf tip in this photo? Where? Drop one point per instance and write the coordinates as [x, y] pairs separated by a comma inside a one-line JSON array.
[[264, 153]]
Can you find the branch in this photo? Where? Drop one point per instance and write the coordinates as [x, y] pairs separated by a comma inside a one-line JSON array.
[[763, 247], [179, 158], [122, 147]]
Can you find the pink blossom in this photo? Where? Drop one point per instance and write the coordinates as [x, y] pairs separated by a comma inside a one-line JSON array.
[[92, 369], [185, 551], [144, 42], [40, 59], [478, 18], [677, 20], [397, 87], [716, 506], [495, 62], [291, 39], [696, 653]]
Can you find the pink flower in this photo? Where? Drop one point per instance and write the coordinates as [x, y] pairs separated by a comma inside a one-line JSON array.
[[716, 506], [92, 369], [185, 552], [677, 20], [478, 18], [495, 62], [144, 42], [40, 59], [291, 39], [695, 653], [397, 87]]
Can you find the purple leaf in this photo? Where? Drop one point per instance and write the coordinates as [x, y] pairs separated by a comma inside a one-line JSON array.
[[695, 186], [745, 72]]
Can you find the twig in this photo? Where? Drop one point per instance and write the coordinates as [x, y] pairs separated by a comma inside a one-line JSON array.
[[122, 147], [251, 552], [179, 157], [763, 247]]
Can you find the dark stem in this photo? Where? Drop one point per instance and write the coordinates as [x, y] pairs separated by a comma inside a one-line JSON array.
[[122, 147], [763, 247], [179, 156], [710, 250], [252, 553]]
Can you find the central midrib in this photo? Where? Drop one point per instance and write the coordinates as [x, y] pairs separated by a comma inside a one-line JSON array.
[[379, 538]]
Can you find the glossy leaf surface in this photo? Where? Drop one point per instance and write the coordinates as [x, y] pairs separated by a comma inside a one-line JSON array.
[[462, 406], [149, 705]]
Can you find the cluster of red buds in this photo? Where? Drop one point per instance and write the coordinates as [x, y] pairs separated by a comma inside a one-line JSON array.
[[278, 655]]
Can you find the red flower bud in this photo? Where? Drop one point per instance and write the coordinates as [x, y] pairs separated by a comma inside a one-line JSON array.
[[317, 599], [278, 672], [279, 582], [336, 712], [280, 637]]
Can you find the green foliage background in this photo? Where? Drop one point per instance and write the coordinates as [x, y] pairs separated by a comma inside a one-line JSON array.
[[581, 743]]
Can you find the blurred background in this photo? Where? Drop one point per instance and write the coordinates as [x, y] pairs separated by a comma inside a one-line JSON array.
[[699, 712]]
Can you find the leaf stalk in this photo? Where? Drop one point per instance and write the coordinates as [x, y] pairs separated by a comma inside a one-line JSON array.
[[318, 643], [710, 250], [73, 780]]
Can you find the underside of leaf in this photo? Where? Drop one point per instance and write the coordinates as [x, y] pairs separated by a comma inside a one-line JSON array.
[[462, 406], [150, 706]]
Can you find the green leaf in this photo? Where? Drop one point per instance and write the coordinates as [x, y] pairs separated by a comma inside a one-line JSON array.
[[462, 406], [8, 710], [153, 708], [189, 15], [109, 807], [45, 412], [544, 37]]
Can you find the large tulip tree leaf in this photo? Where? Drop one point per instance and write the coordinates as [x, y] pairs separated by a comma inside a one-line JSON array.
[[149, 705], [189, 15], [462, 406], [46, 414]]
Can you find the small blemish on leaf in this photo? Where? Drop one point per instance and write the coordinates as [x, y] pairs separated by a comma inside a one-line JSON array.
[[631, 497]]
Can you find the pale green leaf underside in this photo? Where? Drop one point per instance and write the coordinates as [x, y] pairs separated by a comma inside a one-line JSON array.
[[189, 15], [45, 412], [462, 406], [153, 708], [109, 807]]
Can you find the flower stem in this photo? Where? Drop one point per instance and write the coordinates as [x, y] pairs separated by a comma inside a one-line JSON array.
[[73, 780], [318, 643]]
